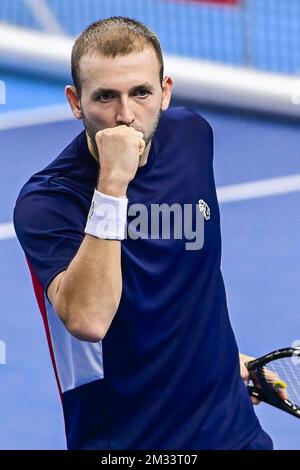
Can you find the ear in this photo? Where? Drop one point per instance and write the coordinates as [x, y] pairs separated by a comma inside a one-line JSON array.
[[74, 102], [167, 87]]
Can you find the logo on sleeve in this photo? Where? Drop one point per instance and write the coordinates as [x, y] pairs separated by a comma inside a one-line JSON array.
[[204, 208]]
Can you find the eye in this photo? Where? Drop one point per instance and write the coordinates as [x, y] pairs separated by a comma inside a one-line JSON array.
[[142, 93], [105, 97]]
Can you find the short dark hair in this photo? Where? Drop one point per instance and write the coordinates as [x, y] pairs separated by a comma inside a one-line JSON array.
[[111, 37]]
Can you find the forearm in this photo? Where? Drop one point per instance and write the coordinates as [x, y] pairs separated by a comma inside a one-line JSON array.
[[90, 290]]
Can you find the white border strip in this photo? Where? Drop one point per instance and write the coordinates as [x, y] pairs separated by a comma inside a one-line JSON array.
[[35, 116], [232, 193], [203, 82]]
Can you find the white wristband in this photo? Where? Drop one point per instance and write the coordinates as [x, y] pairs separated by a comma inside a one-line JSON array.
[[107, 217]]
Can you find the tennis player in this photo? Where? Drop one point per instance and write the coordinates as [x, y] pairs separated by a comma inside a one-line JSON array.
[[136, 317]]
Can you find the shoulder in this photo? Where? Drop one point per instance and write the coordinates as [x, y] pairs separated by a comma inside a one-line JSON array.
[[183, 127], [187, 118], [42, 212], [51, 196]]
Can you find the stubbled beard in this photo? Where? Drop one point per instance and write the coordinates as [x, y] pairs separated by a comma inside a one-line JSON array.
[[92, 131]]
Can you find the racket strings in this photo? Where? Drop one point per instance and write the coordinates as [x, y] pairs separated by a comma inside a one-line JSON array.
[[286, 370]]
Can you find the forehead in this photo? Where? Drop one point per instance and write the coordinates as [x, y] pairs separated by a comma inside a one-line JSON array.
[[119, 72]]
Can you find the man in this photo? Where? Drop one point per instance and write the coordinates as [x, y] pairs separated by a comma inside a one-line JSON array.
[[137, 323]]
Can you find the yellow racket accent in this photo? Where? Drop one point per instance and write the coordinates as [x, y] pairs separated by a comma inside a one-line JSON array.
[[280, 384]]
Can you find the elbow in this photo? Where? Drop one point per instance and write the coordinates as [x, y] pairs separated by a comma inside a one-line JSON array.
[[92, 333], [84, 325]]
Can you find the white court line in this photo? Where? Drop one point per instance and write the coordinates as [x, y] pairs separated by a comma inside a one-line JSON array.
[[260, 188], [35, 116], [231, 193]]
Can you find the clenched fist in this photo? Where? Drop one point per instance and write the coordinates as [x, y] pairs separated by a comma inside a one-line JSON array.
[[119, 150]]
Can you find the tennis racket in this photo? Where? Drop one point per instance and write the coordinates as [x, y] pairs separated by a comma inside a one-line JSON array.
[[275, 379]]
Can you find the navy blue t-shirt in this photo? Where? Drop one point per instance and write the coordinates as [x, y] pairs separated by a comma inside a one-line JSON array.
[[166, 375]]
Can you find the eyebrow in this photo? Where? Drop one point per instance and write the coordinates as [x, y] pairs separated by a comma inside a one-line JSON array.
[[100, 90]]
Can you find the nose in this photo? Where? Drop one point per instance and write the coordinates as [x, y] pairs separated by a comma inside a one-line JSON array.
[[124, 115]]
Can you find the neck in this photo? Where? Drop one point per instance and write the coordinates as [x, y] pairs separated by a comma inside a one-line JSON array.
[[94, 151]]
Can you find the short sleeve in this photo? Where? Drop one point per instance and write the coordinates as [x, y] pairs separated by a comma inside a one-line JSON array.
[[49, 224]]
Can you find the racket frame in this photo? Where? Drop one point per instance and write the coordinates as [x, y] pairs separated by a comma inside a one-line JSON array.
[[267, 393]]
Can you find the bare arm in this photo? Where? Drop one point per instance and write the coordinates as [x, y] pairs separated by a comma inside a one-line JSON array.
[[86, 296]]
